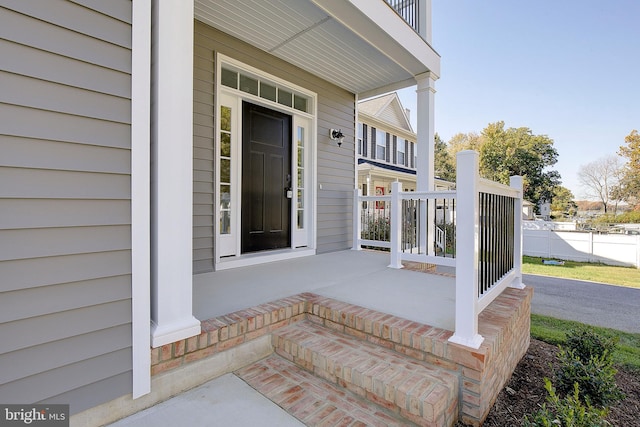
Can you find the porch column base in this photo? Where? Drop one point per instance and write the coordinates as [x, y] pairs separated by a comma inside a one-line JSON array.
[[517, 283], [175, 331], [472, 342]]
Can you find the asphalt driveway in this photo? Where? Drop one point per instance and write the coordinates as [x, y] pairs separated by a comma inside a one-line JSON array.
[[593, 303]]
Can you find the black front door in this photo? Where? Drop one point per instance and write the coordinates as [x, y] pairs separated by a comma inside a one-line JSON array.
[[266, 178]]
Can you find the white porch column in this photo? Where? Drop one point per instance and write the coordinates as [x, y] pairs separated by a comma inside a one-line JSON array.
[[171, 173], [425, 145], [516, 182], [396, 225], [424, 19], [467, 237], [141, 196]]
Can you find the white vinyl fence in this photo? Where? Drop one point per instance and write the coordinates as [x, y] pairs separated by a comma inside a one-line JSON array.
[[612, 249]]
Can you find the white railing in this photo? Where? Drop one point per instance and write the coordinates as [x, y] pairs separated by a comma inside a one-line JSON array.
[[477, 229], [408, 10]]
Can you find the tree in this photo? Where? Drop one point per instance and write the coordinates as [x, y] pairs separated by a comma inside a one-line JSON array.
[[628, 189], [445, 167], [599, 179], [563, 201], [464, 141], [517, 151]]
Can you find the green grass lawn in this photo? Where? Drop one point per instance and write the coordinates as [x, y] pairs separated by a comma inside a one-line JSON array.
[[622, 276], [553, 331]]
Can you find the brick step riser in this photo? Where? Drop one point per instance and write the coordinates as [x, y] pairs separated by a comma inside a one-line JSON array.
[[421, 395]]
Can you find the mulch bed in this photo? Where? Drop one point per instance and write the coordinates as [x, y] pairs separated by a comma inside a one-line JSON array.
[[525, 393]]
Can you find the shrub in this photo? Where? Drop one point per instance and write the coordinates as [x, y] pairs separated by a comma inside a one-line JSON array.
[[567, 412], [586, 344], [587, 361]]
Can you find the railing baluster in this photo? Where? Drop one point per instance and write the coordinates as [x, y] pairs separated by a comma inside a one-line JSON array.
[[407, 9], [488, 217]]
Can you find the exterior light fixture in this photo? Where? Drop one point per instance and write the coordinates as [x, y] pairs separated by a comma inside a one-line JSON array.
[[337, 135]]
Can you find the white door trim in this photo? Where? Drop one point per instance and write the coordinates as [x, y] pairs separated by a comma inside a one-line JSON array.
[[223, 257]]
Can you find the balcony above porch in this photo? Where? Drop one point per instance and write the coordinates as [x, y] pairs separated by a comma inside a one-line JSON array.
[[364, 46]]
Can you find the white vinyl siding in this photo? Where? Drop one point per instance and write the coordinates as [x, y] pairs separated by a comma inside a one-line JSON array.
[[65, 196]]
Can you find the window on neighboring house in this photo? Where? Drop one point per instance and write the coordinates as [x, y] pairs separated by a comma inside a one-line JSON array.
[[413, 155], [400, 156], [360, 140], [381, 145]]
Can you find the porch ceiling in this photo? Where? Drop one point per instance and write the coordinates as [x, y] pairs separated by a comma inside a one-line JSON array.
[[335, 40]]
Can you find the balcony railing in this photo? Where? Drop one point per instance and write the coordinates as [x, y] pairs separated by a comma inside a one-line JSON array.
[[408, 10], [477, 229]]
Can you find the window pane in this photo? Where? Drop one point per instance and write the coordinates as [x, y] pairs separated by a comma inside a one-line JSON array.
[[225, 196], [400, 158], [300, 219], [225, 170], [400, 145], [301, 178], [300, 103], [229, 78], [381, 145], [248, 84], [268, 91], [225, 222], [300, 199], [225, 144], [284, 97], [225, 118]]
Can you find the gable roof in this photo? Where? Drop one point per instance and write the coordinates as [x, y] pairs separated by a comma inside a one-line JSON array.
[[386, 108]]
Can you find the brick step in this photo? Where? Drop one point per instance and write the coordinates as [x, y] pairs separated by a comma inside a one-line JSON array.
[[422, 394], [310, 399]]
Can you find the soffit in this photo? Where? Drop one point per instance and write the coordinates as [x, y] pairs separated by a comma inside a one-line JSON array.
[[303, 34]]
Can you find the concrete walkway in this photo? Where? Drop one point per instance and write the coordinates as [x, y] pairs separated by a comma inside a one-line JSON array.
[[225, 401]]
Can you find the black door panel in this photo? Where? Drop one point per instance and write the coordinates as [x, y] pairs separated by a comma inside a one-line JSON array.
[[266, 172]]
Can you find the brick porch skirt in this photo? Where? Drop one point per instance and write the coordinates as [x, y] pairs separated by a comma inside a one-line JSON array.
[[505, 325]]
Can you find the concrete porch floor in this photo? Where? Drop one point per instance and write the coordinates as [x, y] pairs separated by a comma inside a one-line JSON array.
[[337, 285], [357, 277]]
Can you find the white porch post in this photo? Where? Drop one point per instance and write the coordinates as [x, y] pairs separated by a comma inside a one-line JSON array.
[[357, 223], [395, 225], [171, 173], [468, 235], [425, 144], [140, 196], [424, 19], [516, 182]]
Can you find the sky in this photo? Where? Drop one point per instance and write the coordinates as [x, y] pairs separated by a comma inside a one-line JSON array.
[[568, 69]]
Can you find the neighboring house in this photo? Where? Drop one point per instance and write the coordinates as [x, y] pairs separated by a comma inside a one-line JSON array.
[[146, 142], [544, 206], [528, 210], [387, 148]]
